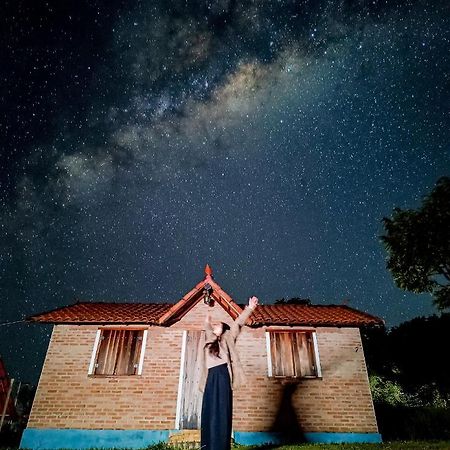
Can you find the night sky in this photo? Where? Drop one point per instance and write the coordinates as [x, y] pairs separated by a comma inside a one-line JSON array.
[[141, 140]]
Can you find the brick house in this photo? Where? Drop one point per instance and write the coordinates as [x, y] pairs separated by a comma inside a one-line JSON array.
[[125, 374]]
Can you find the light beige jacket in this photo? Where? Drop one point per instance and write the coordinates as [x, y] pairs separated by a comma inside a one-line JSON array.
[[228, 341]]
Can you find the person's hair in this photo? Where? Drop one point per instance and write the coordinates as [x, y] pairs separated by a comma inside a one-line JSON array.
[[214, 345]]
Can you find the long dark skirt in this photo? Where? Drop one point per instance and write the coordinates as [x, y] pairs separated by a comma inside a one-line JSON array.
[[217, 410]]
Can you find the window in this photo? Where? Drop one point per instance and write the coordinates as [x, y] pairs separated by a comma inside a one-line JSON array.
[[293, 354], [118, 351]]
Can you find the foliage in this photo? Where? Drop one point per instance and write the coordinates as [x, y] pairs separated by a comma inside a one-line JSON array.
[[392, 393], [410, 423], [406, 364], [386, 391], [418, 244], [416, 348]]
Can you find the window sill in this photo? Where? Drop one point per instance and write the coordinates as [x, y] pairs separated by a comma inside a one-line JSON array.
[[96, 375], [288, 380]]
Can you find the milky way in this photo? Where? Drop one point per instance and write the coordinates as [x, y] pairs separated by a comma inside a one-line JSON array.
[[143, 139]]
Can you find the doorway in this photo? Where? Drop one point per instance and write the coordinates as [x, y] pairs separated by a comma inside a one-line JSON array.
[[189, 397]]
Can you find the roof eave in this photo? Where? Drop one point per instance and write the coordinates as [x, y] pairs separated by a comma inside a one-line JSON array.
[[97, 322], [315, 324]]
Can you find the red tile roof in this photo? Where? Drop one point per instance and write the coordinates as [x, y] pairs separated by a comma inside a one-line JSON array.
[[151, 313], [165, 314], [316, 315], [103, 312]]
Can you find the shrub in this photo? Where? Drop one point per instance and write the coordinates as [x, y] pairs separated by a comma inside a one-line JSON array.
[[412, 423]]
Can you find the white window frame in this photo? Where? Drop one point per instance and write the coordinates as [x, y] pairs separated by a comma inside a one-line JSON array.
[[91, 368], [293, 330], [180, 380]]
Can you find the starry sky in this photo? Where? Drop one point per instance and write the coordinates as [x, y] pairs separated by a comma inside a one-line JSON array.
[[144, 139]]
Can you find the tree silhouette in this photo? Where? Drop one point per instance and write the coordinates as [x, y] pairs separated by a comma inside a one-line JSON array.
[[293, 301], [416, 348], [410, 354], [418, 243]]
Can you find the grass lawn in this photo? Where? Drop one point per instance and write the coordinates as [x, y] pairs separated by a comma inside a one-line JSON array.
[[393, 445]]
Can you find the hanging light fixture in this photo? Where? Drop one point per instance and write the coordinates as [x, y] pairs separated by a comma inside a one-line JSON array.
[[207, 290]]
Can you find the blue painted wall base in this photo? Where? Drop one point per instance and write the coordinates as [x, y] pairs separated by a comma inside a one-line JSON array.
[[53, 438], [263, 437]]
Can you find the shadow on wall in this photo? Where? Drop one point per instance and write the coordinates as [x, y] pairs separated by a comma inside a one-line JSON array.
[[286, 421]]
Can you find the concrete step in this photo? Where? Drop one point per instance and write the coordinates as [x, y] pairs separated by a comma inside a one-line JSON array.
[[185, 439], [184, 445]]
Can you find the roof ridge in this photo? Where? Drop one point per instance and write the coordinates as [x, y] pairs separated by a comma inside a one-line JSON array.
[[109, 302], [303, 305]]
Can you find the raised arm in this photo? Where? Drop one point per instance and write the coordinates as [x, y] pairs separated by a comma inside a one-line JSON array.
[[210, 336], [237, 325]]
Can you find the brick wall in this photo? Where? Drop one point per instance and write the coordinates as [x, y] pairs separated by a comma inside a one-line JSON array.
[[68, 398], [340, 401]]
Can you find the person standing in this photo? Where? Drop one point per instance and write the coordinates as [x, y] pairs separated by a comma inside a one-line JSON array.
[[222, 373]]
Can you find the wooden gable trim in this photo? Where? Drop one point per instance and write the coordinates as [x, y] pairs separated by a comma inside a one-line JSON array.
[[191, 298], [182, 303], [228, 300]]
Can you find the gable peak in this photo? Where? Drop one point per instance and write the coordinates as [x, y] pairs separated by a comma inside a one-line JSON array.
[[208, 271]]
